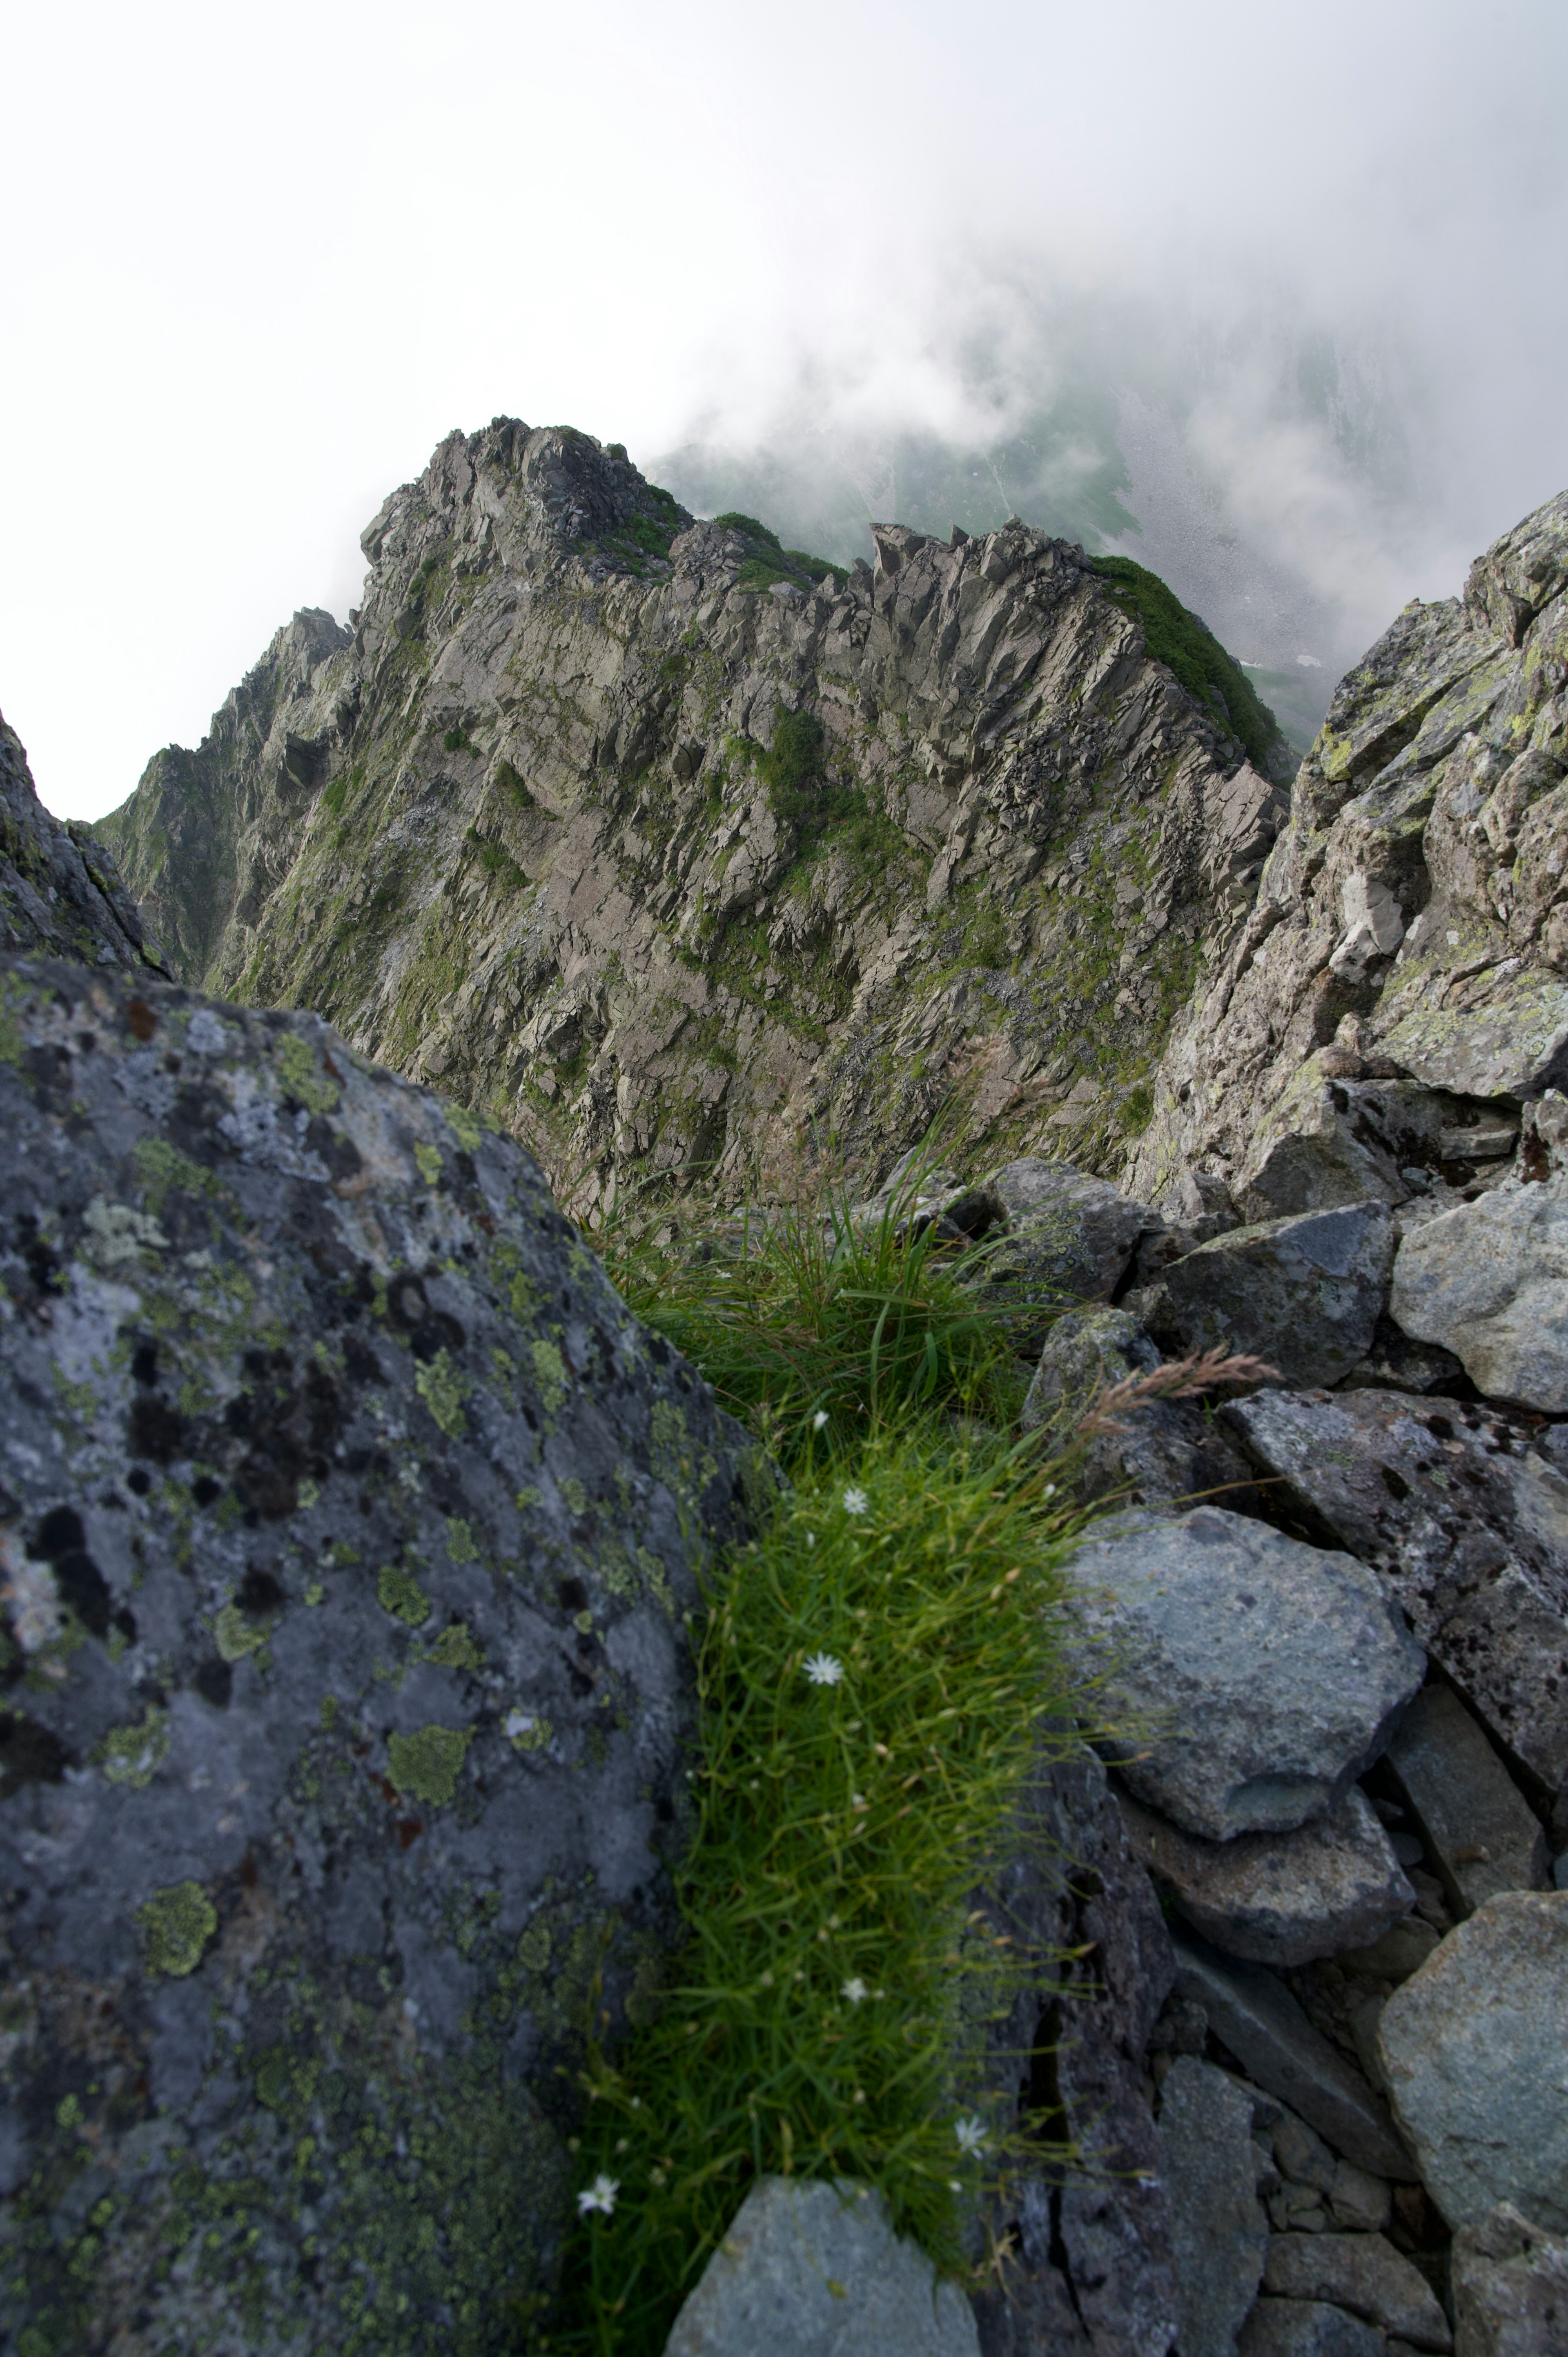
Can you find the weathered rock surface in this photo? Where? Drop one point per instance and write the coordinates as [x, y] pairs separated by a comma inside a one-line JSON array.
[[347, 1524], [1363, 2273], [815, 2270], [1218, 2233], [1490, 1282], [1418, 893], [1306, 2328], [1096, 2277], [1281, 1898], [1253, 1678], [1473, 2048], [1467, 1527], [61, 893], [1475, 1822], [1164, 1451], [1069, 1236], [1256, 2017], [1510, 2289], [1305, 1293], [538, 829], [1352, 2197]]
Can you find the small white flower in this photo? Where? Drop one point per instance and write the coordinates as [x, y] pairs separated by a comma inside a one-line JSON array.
[[955, 2185], [823, 1671], [971, 2134], [1049, 1491], [855, 1502], [600, 2195], [819, 1419], [854, 1991]]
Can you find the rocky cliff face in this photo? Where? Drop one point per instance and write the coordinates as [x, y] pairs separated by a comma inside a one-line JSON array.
[[1412, 923], [673, 850], [61, 893]]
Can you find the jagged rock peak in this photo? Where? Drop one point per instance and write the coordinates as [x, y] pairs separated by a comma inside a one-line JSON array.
[[60, 891]]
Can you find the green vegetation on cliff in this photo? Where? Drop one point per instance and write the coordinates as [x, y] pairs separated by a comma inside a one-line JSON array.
[[1185, 644]]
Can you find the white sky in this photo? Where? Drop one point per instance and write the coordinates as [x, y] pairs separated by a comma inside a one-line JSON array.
[[255, 262]]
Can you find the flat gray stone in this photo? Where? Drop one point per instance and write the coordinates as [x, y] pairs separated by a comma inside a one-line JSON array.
[[1356, 2199], [1363, 2273], [1304, 1294], [1475, 2049], [1489, 1281], [1347, 1142], [1281, 1898], [1510, 2289], [1254, 2014], [1306, 2328], [1218, 2233], [1466, 1526], [1477, 1827], [1249, 1678], [810, 2269], [1512, 1045]]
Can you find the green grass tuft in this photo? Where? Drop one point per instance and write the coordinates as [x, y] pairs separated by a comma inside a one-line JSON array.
[[878, 1677], [1189, 647]]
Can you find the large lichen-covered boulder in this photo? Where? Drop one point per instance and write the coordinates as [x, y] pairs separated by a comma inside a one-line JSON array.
[[349, 1523]]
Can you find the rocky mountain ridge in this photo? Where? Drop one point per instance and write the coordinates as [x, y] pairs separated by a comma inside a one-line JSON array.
[[673, 857]]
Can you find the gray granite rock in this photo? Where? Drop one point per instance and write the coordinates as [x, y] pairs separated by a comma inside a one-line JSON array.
[[1473, 2048], [1306, 2328], [347, 1525], [1489, 1281], [815, 2270], [1280, 1898], [1070, 1238], [1162, 1452], [1363, 2273], [1478, 1828], [1354, 2197], [1397, 1363], [1465, 1525], [1255, 2016], [1092, 2273], [1510, 2289], [1305, 1293], [1348, 1141], [1249, 1679], [1219, 2232]]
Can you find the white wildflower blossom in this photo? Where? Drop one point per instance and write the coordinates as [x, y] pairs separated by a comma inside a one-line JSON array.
[[819, 1419], [855, 1502], [600, 2195], [971, 2134], [823, 1671], [854, 1991]]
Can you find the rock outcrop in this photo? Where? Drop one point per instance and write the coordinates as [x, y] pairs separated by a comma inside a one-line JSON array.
[[633, 830], [347, 1524], [1411, 920], [60, 893]]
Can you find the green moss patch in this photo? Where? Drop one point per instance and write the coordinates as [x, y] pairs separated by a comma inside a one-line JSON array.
[[424, 1765], [176, 1925], [1188, 647]]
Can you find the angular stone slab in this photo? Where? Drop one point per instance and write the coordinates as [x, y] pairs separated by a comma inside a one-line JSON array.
[[1249, 1679], [1305, 1293], [348, 1522], [1363, 2273], [1465, 1525], [1511, 1041], [1218, 2233], [1475, 2049], [815, 2270], [1071, 1236], [1281, 1898], [1474, 1821], [1256, 2017], [1306, 2328], [1510, 2287], [1490, 1282]]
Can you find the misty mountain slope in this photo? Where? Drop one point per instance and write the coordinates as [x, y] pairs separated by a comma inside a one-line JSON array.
[[1411, 922], [669, 870], [60, 893]]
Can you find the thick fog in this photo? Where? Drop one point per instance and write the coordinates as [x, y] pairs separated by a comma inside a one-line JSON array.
[[1271, 298]]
